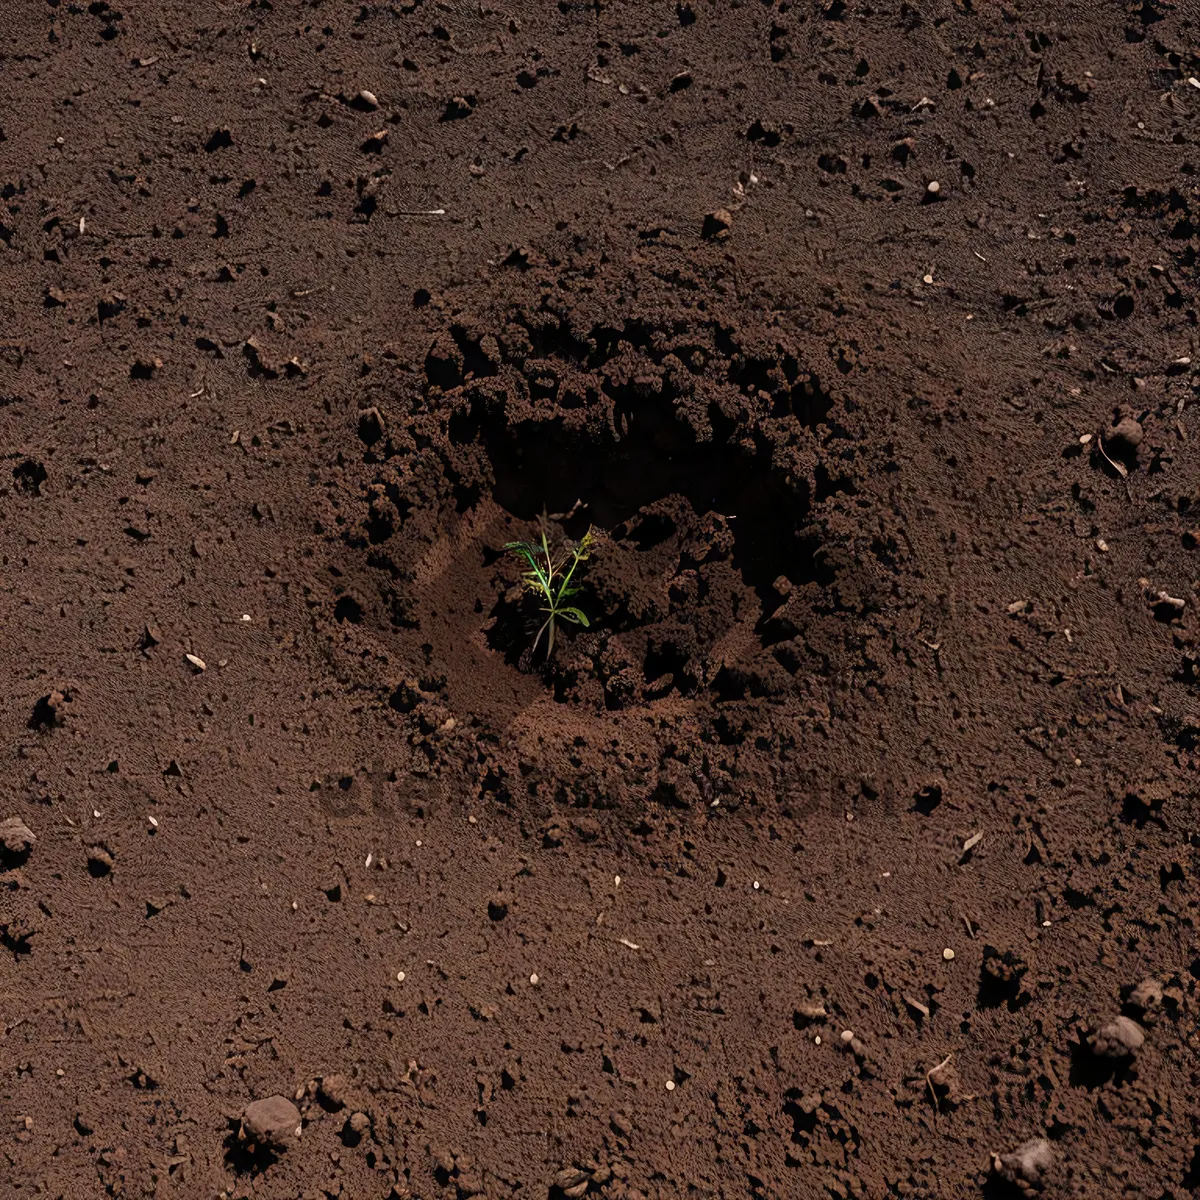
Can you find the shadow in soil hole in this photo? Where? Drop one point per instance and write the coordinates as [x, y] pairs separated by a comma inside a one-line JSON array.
[[543, 466]]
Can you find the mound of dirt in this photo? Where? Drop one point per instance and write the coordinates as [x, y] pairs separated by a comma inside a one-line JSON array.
[[845, 846]]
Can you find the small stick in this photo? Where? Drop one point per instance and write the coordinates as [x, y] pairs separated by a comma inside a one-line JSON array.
[[937, 1104]]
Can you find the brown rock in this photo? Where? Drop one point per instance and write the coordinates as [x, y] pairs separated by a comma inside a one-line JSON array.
[[273, 1122], [1120, 1038], [16, 836]]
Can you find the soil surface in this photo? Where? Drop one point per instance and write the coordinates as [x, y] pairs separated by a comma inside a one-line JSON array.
[[850, 849]]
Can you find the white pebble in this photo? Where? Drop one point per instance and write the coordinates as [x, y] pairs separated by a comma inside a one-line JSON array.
[[933, 186], [847, 1035], [756, 885], [369, 858], [198, 663], [616, 881], [400, 976], [817, 1040], [153, 821], [533, 978], [947, 954], [418, 841], [670, 1085], [472, 820], [1045, 923], [245, 616], [927, 278]]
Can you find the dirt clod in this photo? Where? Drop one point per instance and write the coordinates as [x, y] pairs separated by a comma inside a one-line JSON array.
[[15, 836], [1027, 1165], [716, 225], [1146, 1001]]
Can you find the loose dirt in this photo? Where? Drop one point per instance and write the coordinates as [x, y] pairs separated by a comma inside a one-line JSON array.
[[850, 850]]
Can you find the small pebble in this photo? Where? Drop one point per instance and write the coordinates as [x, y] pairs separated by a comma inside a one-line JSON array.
[[1046, 923], [947, 954], [817, 1040], [472, 820], [196, 662], [400, 976], [533, 978], [927, 278], [153, 821], [756, 885], [616, 881], [670, 1085], [933, 186], [847, 1035], [368, 98]]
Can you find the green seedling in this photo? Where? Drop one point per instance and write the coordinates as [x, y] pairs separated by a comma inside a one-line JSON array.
[[554, 580]]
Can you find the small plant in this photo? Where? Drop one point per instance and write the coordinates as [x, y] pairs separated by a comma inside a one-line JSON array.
[[554, 580]]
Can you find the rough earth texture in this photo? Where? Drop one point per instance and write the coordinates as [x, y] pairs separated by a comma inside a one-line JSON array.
[[864, 335]]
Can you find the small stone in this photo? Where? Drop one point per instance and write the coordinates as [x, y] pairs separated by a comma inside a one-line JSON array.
[[273, 1122], [933, 187], [1027, 1164], [670, 1085], [1120, 1038], [360, 1122], [368, 99], [569, 1177], [947, 954], [847, 1036]]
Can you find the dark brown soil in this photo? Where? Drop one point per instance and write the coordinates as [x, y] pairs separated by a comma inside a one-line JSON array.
[[864, 335]]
